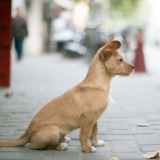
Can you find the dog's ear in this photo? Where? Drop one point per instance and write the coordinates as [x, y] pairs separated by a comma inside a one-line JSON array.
[[108, 48], [112, 38], [112, 46]]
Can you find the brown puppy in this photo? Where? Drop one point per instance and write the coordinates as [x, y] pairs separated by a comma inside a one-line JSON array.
[[79, 107]]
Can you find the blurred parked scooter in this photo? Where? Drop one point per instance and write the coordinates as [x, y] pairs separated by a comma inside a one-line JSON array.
[[61, 32]]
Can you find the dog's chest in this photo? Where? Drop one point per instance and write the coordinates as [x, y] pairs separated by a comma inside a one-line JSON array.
[[101, 100], [101, 103]]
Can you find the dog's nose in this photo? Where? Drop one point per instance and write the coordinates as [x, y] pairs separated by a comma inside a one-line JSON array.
[[133, 66]]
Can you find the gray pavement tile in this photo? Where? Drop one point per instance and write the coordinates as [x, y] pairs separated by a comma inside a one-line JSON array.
[[3, 118], [152, 127], [21, 120], [30, 116], [9, 124], [5, 113], [150, 148], [71, 153], [114, 137], [6, 137], [74, 149], [18, 133], [6, 130], [155, 127], [137, 120], [63, 155], [154, 122], [130, 132], [117, 125], [153, 117], [21, 111], [132, 114], [75, 143], [130, 109], [102, 120], [18, 116], [147, 139], [110, 114], [113, 110], [18, 108], [23, 126], [130, 156], [124, 115], [158, 132], [74, 135], [123, 146], [102, 123], [26, 155], [102, 130], [115, 120], [13, 149], [101, 153], [21, 129]]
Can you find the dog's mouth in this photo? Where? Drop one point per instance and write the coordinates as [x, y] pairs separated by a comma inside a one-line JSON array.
[[129, 73], [126, 74]]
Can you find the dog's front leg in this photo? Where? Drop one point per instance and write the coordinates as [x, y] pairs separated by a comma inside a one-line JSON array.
[[95, 141], [85, 134]]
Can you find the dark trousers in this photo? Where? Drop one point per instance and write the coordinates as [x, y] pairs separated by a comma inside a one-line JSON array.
[[18, 47]]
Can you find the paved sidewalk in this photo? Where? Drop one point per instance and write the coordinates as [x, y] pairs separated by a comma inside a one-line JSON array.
[[36, 81]]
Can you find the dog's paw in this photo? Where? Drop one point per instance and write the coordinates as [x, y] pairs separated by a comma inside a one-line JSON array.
[[64, 146], [89, 149], [67, 139], [100, 143], [93, 149]]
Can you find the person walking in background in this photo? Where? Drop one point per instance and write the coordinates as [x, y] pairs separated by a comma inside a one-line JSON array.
[[19, 31]]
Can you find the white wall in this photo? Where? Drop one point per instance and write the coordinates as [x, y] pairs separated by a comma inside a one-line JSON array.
[[33, 43], [18, 3]]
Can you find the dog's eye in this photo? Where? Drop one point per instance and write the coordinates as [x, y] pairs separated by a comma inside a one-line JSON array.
[[121, 60]]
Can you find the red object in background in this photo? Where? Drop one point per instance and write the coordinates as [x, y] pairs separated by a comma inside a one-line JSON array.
[[5, 42], [139, 62]]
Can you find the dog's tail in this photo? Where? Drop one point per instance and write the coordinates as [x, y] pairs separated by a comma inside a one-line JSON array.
[[15, 143]]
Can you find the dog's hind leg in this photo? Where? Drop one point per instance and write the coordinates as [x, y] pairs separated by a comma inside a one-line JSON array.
[[60, 146], [95, 141], [65, 139], [94, 133], [47, 136]]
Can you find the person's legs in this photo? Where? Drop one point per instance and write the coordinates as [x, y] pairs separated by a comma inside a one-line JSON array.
[[18, 47]]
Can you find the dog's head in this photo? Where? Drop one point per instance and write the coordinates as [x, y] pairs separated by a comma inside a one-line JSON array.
[[113, 59]]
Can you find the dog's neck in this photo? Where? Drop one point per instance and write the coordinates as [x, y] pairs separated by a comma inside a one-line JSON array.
[[97, 76]]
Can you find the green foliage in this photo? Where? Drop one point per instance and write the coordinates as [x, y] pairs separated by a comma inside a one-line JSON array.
[[123, 8], [77, 0], [120, 8]]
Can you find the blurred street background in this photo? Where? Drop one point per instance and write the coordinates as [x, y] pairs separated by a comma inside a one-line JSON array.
[[78, 28], [62, 38]]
